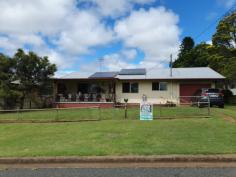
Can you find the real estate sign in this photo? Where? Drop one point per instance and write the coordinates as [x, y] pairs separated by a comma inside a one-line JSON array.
[[146, 111]]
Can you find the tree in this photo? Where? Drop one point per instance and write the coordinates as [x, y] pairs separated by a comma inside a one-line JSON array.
[[33, 73], [8, 94], [192, 56], [225, 35], [186, 46], [225, 41], [221, 56]]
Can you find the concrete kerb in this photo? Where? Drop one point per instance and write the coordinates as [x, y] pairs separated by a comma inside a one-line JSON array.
[[121, 159]]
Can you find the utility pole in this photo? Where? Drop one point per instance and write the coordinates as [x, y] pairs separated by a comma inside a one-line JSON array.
[[100, 60], [171, 75], [171, 65]]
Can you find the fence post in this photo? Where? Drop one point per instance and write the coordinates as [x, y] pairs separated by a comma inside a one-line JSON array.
[[18, 116], [160, 112], [125, 110], [99, 109], [56, 114], [209, 105]]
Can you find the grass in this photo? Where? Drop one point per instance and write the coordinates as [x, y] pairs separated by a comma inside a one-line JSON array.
[[229, 110], [105, 114], [119, 137]]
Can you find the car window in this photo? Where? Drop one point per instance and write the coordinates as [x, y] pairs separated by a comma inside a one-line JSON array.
[[213, 91]]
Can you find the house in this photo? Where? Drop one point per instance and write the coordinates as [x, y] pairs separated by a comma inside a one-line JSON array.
[[107, 88]]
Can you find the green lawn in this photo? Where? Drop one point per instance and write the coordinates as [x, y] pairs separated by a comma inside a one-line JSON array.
[[104, 114], [119, 137], [229, 111]]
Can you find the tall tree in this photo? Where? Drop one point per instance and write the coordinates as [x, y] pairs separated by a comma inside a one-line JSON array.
[[186, 46], [33, 73], [224, 41], [225, 35], [8, 95]]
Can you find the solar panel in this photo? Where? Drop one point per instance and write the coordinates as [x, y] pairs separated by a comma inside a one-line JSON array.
[[139, 71], [104, 75]]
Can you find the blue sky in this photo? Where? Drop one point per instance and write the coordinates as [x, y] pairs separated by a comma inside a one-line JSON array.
[[74, 34]]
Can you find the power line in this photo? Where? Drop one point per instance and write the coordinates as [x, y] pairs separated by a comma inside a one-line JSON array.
[[216, 21]]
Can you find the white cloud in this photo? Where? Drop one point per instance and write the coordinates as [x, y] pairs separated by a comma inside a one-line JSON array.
[[28, 22], [71, 30], [209, 42], [115, 62], [11, 43], [129, 54], [115, 8], [58, 59], [110, 62], [74, 32], [8, 46], [154, 31], [85, 30], [27, 16], [151, 64]]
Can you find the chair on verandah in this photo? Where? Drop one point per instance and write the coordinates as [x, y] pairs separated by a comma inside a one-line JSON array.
[[94, 97], [86, 97], [103, 97], [69, 97], [78, 96]]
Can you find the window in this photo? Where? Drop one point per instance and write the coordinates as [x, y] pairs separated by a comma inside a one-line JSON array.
[[159, 86], [129, 87], [134, 87], [155, 86], [126, 87], [163, 86]]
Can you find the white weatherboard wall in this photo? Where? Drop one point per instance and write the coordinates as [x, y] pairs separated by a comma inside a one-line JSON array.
[[155, 97], [145, 87]]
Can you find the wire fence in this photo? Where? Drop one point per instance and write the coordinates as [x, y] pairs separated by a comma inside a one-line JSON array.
[[54, 114], [181, 107], [186, 106]]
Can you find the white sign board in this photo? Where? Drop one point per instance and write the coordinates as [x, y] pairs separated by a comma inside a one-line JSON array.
[[146, 111]]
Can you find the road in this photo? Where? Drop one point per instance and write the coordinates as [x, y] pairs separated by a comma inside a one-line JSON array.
[[118, 172]]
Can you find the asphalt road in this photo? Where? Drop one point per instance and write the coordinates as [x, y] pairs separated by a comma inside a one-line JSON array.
[[118, 172]]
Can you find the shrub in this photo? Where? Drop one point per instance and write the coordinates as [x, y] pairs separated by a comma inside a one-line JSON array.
[[227, 95]]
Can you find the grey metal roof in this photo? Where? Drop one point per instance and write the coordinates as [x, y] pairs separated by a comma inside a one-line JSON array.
[[177, 73], [154, 73], [104, 75], [138, 71], [75, 75]]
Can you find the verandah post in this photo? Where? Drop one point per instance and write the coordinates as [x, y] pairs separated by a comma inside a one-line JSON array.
[[18, 116]]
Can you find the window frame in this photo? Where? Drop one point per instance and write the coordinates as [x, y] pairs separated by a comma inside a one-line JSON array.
[[159, 86], [123, 90], [131, 89]]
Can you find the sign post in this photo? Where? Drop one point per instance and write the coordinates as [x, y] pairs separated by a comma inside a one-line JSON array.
[[146, 109]]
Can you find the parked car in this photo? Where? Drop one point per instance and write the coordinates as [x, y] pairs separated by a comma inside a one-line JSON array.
[[209, 95]]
